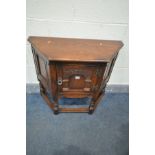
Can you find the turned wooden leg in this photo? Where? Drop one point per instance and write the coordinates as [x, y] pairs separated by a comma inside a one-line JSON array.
[[95, 100], [56, 106], [56, 109], [91, 107], [53, 105], [92, 104]]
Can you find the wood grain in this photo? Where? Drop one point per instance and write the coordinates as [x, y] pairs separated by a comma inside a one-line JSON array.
[[67, 49]]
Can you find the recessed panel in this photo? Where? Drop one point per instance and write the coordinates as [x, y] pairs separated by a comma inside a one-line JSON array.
[[42, 68]]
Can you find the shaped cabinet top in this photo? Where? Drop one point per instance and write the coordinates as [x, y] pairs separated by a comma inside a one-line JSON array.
[[71, 49]]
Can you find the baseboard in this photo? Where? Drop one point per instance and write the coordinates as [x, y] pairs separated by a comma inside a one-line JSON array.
[[117, 88], [34, 88]]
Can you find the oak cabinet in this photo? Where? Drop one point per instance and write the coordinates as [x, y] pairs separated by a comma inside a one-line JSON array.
[[73, 68]]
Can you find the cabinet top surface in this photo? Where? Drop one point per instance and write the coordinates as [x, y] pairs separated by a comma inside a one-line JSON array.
[[70, 49]]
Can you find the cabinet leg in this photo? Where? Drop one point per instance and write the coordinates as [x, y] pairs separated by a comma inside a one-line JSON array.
[[56, 112], [91, 107], [53, 105], [91, 111], [56, 109], [95, 101], [56, 105]]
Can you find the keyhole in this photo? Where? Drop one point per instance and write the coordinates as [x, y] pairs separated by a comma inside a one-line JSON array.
[[59, 81]]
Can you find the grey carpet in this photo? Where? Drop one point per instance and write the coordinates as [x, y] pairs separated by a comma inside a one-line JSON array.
[[103, 133]]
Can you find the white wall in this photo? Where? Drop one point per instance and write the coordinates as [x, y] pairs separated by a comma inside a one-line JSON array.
[[94, 19]]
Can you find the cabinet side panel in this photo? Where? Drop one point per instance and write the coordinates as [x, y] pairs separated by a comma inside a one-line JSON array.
[[111, 68], [35, 61], [100, 80], [40, 65]]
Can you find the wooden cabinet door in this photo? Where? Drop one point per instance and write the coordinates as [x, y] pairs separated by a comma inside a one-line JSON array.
[[79, 77]]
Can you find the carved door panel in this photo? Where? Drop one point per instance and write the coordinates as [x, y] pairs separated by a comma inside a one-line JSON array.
[[79, 77]]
